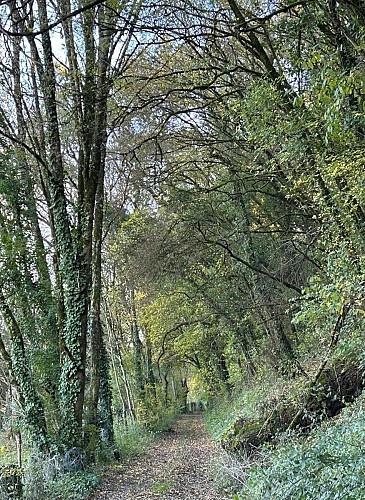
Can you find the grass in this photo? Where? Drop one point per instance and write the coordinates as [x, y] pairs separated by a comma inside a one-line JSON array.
[[328, 463], [162, 486], [250, 402], [133, 440]]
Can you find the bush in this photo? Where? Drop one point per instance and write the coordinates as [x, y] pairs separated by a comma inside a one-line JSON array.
[[48, 479], [73, 486], [156, 416], [11, 485], [248, 404], [329, 464], [133, 440], [163, 419]]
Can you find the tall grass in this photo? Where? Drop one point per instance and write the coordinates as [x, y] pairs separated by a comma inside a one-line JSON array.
[[133, 440]]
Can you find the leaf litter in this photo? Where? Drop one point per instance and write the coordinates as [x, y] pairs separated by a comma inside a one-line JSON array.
[[177, 465]]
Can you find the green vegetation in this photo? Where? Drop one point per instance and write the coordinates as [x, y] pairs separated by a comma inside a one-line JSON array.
[[326, 461], [162, 487], [133, 440], [65, 486], [329, 463]]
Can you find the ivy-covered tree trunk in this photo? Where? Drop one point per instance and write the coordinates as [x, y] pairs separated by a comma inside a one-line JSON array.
[[150, 376], [74, 246], [100, 390], [20, 372], [105, 414]]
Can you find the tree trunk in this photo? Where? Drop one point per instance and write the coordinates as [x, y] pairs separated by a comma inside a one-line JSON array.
[[20, 372], [138, 350]]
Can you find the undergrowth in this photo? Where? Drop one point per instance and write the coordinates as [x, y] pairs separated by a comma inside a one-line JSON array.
[[250, 402], [75, 486], [47, 478], [133, 440], [328, 464], [43, 481]]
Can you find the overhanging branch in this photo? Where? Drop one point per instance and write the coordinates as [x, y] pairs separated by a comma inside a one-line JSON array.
[[50, 26]]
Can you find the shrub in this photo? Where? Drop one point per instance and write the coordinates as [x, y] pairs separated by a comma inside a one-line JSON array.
[[248, 404], [133, 440], [329, 464], [156, 416], [73, 486], [11, 485], [48, 479]]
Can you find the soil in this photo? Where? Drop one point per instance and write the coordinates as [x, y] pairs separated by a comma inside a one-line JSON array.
[[177, 465]]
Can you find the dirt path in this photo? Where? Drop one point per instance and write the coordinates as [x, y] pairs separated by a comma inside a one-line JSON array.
[[176, 466]]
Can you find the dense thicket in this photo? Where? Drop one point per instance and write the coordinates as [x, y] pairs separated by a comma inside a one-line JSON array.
[[252, 178]]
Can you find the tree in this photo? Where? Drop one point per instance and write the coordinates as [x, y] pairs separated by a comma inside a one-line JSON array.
[[47, 84]]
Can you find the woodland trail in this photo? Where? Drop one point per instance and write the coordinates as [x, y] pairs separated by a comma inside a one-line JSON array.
[[176, 466]]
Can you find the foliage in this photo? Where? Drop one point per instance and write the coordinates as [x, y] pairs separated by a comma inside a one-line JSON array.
[[201, 214], [75, 486], [11, 481], [48, 478], [250, 402], [133, 440], [328, 464]]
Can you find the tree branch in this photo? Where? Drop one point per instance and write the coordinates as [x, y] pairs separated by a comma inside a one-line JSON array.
[[174, 329], [224, 245], [49, 27], [282, 10]]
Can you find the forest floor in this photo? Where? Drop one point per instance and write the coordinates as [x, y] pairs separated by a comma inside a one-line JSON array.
[[177, 465]]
